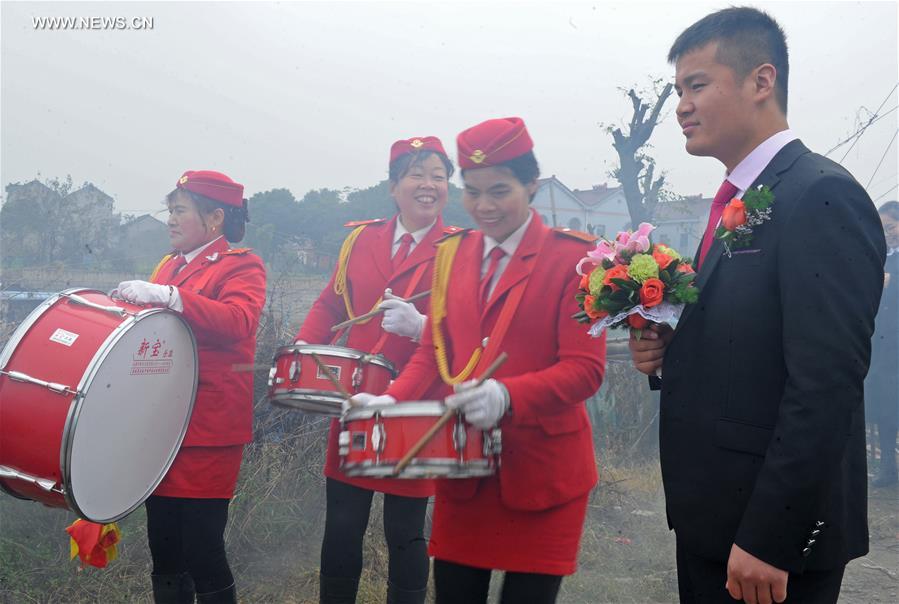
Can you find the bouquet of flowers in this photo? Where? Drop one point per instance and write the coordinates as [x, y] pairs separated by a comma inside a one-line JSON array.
[[632, 282]]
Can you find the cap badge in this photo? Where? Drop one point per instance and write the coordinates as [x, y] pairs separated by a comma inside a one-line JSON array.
[[478, 157], [182, 180], [416, 143]]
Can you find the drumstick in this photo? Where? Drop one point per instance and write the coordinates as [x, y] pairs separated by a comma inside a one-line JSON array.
[[333, 379], [447, 416], [377, 311]]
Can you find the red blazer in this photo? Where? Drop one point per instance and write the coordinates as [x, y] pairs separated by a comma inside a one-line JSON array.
[[547, 447], [369, 272], [223, 292]]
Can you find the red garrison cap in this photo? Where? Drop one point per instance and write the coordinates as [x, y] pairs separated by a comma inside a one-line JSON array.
[[493, 142], [414, 145], [213, 185]]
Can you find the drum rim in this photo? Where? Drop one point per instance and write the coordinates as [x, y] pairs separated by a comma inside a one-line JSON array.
[[400, 409], [343, 352], [482, 465], [65, 449]]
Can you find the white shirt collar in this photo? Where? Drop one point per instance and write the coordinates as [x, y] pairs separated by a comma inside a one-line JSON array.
[[510, 244], [189, 256], [745, 173], [417, 236]]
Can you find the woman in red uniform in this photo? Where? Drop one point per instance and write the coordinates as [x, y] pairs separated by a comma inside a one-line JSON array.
[[510, 287], [395, 254], [220, 292]]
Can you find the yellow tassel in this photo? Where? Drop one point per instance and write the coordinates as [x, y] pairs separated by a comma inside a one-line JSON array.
[[340, 284], [159, 266], [443, 263]]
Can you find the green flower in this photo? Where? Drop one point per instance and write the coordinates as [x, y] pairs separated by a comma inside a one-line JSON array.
[[596, 277], [643, 267], [661, 247]]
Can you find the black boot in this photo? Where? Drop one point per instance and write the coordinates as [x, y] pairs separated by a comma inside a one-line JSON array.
[[337, 590], [173, 589], [397, 595], [222, 596]]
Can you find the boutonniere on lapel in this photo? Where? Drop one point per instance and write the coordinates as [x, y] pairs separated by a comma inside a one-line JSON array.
[[741, 216]]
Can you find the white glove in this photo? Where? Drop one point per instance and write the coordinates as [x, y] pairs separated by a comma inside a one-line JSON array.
[[300, 343], [143, 292], [401, 317], [483, 405], [364, 399]]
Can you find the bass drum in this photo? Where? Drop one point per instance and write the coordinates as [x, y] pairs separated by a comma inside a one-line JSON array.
[[95, 398]]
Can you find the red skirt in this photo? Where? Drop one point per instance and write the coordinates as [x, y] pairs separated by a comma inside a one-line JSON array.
[[391, 486], [202, 473], [484, 533]]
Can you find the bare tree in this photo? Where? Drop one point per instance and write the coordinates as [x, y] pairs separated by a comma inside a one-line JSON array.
[[636, 170]]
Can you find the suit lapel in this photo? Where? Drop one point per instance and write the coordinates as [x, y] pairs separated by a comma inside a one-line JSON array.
[[769, 177], [206, 257], [382, 249], [521, 264]]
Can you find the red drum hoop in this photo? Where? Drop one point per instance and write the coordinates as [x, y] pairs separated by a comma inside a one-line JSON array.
[[297, 382], [374, 438]]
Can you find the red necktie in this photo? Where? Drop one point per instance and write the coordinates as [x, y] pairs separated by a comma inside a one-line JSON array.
[[725, 193], [495, 256], [403, 252]]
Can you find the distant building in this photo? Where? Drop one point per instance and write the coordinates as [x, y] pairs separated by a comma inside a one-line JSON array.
[[143, 241], [599, 211], [602, 211], [681, 223]]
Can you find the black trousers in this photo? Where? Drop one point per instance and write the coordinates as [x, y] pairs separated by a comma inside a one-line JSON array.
[[188, 535], [345, 523], [460, 584], [701, 581]]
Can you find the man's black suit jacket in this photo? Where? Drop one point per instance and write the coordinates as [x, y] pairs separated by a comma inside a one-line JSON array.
[[762, 420]]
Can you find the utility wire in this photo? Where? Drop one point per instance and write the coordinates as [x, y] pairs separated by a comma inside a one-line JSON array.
[[882, 157]]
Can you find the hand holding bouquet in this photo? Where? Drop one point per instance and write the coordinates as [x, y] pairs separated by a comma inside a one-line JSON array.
[[631, 282]]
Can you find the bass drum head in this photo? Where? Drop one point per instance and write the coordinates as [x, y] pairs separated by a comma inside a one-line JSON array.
[[122, 435]]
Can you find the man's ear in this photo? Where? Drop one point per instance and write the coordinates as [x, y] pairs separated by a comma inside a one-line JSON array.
[[765, 78]]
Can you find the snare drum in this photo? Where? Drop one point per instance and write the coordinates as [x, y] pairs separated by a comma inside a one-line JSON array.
[[296, 381], [374, 438], [95, 398]]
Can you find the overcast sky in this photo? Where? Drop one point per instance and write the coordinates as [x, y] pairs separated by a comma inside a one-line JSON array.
[[310, 95]]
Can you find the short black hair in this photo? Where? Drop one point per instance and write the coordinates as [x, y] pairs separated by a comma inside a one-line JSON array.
[[891, 209], [524, 167], [747, 38], [234, 226], [402, 164]]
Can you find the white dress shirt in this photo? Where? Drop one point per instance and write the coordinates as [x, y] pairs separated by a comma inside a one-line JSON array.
[[509, 246]]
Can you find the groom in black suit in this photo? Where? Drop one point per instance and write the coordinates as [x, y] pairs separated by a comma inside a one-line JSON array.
[[762, 419]]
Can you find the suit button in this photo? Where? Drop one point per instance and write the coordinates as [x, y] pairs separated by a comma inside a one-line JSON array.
[[819, 524], [815, 532], [810, 543], [806, 552]]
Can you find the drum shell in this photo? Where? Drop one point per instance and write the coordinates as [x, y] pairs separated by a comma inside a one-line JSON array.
[[37, 425], [296, 381], [401, 426]]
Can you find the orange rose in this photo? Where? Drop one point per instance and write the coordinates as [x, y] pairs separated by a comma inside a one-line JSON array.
[[685, 268], [651, 293], [590, 309], [585, 282], [734, 214], [662, 259], [616, 272], [637, 321]]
